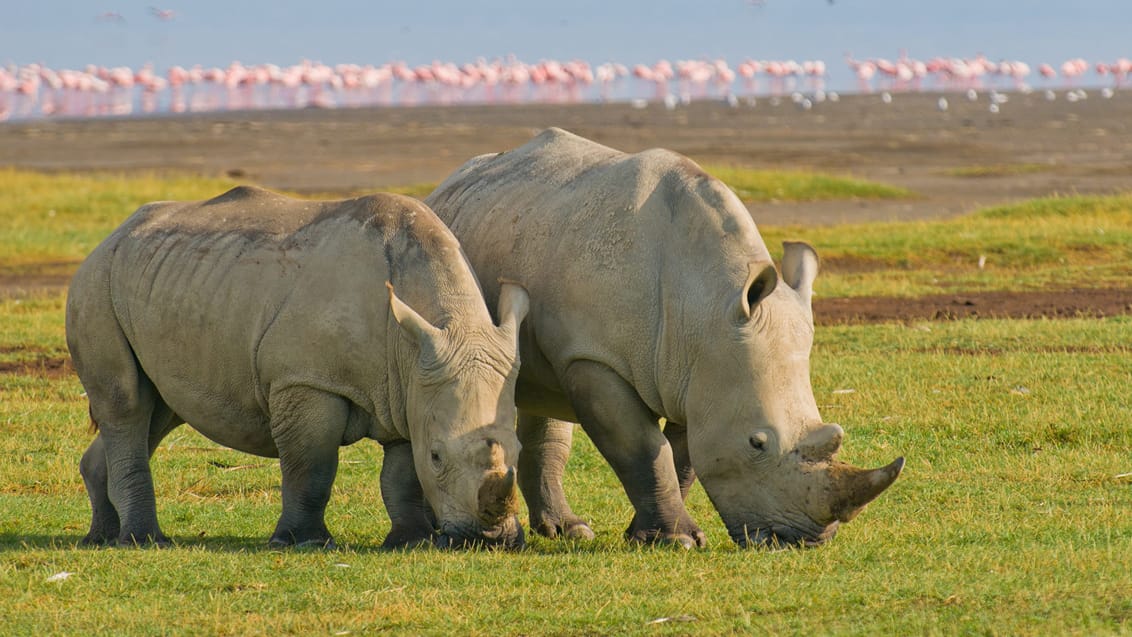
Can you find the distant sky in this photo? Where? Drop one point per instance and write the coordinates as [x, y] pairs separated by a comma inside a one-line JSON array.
[[70, 34]]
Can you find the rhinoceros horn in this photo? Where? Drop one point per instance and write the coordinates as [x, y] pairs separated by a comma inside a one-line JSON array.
[[822, 442], [498, 497], [852, 488]]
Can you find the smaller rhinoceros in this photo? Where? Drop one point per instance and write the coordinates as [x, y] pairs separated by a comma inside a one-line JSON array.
[[266, 323]]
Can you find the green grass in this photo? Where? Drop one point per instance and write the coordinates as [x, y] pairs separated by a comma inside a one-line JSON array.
[[1009, 519], [998, 170], [57, 219], [788, 185], [420, 191]]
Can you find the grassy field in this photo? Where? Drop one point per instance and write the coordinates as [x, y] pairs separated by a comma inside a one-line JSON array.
[[795, 185], [1013, 516], [1056, 242]]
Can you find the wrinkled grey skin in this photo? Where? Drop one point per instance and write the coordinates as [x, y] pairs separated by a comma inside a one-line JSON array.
[[266, 323], [653, 296]]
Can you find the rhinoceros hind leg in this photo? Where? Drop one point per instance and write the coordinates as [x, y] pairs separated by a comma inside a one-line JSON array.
[[626, 432], [116, 466], [105, 527], [104, 524], [412, 518], [542, 462]]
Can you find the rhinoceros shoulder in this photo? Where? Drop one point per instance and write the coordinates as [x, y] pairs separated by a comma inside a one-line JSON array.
[[393, 214]]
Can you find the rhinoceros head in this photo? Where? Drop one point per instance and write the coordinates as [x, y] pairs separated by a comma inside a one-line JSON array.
[[461, 414], [760, 447]]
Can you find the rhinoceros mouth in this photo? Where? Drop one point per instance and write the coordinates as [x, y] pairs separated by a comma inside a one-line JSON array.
[[507, 535], [777, 537]]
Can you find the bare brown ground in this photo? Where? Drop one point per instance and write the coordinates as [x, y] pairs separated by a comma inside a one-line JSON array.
[[956, 160], [36, 362]]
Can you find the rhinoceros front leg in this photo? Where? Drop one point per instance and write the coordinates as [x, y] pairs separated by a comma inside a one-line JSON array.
[[677, 435], [625, 431], [105, 526], [307, 426], [542, 462], [412, 517]]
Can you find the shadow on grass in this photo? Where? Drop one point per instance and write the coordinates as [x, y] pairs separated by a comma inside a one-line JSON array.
[[13, 542], [17, 542]]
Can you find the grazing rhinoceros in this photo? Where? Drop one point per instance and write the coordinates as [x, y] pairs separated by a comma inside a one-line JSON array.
[[653, 295], [265, 322]]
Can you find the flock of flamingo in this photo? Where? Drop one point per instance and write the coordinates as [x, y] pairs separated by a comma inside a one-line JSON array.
[[35, 90]]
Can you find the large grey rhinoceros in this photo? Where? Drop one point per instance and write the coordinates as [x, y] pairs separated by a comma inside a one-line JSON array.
[[266, 323], [653, 295]]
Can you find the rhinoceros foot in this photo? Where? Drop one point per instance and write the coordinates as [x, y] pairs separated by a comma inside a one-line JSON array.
[[569, 527], [291, 540], [100, 536], [408, 538], [149, 540], [656, 538], [686, 534]]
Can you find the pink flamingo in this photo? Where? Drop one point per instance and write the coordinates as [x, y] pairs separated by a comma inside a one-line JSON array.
[[1047, 72], [864, 71], [749, 71], [1073, 69]]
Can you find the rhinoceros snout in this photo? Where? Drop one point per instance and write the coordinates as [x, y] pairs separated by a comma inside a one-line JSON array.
[[508, 535], [777, 537]]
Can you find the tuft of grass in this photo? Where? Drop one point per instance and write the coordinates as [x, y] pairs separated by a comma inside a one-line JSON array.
[[418, 191], [788, 185], [997, 170]]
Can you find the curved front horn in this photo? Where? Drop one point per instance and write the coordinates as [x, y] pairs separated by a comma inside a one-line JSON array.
[[853, 488], [497, 496]]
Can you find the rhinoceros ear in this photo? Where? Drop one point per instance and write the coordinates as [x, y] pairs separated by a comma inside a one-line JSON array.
[[800, 268], [415, 325], [761, 281], [513, 306]]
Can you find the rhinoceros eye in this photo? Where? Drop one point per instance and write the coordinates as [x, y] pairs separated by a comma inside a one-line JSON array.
[[435, 457], [758, 441]]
